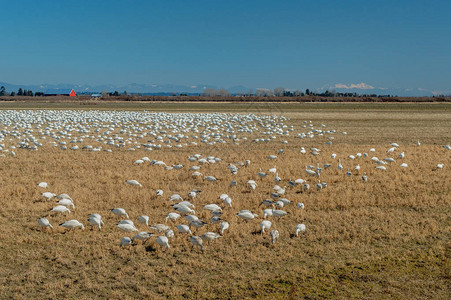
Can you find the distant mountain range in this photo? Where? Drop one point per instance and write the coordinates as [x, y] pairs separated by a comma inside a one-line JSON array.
[[162, 89]]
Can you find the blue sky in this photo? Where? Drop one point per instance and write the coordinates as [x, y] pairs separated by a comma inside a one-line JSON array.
[[294, 44]]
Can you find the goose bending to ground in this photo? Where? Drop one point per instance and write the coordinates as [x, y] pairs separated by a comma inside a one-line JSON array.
[[43, 185], [210, 236], [95, 221], [144, 219], [133, 182], [48, 195], [60, 209], [252, 184], [127, 227], [159, 192], [160, 227], [184, 209], [72, 224], [66, 202], [274, 236], [119, 212], [310, 172], [43, 222], [265, 225], [126, 222], [197, 223], [173, 216], [210, 178], [126, 241], [299, 228], [224, 227], [197, 241], [246, 215], [279, 213], [212, 207], [381, 168], [404, 165], [183, 229], [176, 197], [391, 150], [142, 236], [228, 201], [63, 196]]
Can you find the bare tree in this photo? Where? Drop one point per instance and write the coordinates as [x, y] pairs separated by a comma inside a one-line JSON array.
[[279, 91]]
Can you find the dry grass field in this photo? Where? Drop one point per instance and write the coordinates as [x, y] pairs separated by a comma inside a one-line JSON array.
[[387, 238]]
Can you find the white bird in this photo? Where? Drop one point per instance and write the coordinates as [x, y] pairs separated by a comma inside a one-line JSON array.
[[173, 216], [183, 228], [357, 167], [127, 227], [401, 155], [44, 223], [43, 185], [126, 222], [391, 150], [224, 226], [418, 143], [300, 205], [404, 165], [210, 236], [381, 168], [394, 145], [175, 197], [63, 196], [48, 195], [72, 224], [448, 147], [273, 170], [197, 241], [94, 221], [160, 227], [228, 201], [212, 207], [274, 236], [210, 178], [300, 228], [169, 233], [126, 241], [279, 213], [119, 212], [246, 215], [252, 184], [364, 177], [143, 235], [60, 209], [144, 219], [348, 173], [159, 192], [261, 174], [333, 156], [340, 166], [66, 202], [310, 172], [133, 182], [184, 209], [440, 166], [265, 224], [191, 218]]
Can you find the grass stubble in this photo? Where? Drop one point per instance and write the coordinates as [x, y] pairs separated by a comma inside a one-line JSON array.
[[389, 237]]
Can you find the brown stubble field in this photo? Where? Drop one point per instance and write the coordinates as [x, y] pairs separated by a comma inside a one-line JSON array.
[[388, 237]]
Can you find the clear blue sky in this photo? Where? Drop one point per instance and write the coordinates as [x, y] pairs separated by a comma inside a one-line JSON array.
[[255, 43]]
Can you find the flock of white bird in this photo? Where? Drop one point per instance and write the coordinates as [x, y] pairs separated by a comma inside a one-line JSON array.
[[107, 130]]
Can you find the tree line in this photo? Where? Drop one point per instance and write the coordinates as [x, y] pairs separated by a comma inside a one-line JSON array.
[[20, 92]]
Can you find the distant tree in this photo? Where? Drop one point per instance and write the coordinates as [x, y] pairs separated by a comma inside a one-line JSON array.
[[209, 92], [39, 94], [264, 93], [297, 93], [223, 93], [13, 93], [20, 92], [124, 93], [279, 91], [105, 94], [30, 93], [307, 92], [251, 92], [2, 91], [115, 93]]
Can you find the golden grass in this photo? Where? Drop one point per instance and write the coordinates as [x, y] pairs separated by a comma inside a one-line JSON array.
[[389, 237]]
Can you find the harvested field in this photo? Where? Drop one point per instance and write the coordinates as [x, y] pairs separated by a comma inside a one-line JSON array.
[[387, 237]]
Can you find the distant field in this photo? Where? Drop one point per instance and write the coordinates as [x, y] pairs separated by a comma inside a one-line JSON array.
[[387, 238]]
